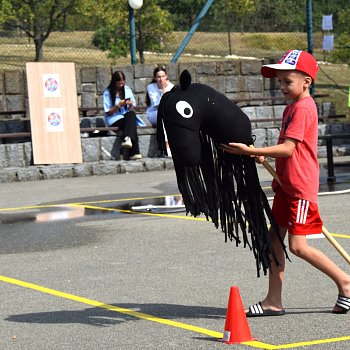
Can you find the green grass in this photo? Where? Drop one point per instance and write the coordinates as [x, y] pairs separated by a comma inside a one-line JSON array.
[[76, 47], [333, 79]]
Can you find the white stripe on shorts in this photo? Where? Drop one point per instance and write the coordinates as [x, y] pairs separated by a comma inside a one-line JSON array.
[[303, 207]]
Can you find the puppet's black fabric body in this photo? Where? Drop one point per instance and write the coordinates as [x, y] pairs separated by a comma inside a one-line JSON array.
[[223, 187]]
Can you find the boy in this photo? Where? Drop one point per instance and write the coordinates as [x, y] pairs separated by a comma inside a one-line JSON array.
[[295, 205]]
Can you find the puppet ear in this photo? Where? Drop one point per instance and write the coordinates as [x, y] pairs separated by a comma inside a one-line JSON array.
[[185, 79]]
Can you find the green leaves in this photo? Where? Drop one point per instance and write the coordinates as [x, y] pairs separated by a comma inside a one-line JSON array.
[[153, 27], [113, 39], [36, 18]]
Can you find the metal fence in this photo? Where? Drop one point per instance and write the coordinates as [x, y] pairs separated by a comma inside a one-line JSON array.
[[77, 47], [218, 31]]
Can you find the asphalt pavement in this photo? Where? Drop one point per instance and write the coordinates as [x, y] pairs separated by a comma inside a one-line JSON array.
[[113, 262]]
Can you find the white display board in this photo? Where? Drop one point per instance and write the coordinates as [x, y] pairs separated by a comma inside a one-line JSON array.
[[54, 114]]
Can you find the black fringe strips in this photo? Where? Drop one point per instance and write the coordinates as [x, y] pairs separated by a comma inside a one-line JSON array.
[[226, 189]]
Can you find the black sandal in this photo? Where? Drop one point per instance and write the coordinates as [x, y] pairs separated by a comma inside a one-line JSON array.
[[344, 303], [257, 310]]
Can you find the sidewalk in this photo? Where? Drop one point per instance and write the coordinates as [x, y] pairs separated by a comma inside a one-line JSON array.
[[172, 267], [110, 167]]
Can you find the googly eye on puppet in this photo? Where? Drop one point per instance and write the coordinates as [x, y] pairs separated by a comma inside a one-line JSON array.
[[224, 187], [184, 109]]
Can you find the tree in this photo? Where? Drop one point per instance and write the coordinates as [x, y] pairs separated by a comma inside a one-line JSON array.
[[233, 10], [342, 41], [153, 27], [36, 18], [183, 12], [222, 13]]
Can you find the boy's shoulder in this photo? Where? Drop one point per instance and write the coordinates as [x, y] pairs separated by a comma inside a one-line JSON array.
[[302, 108], [306, 102]]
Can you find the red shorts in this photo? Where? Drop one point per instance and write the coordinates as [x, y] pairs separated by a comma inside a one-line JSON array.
[[301, 217]]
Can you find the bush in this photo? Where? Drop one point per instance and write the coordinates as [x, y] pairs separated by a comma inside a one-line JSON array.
[[341, 53], [275, 41], [109, 38]]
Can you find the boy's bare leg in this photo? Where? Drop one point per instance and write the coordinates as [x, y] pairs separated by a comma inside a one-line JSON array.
[[273, 299], [298, 245]]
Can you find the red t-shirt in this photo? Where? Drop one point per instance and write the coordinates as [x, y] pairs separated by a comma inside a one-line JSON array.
[[299, 173]]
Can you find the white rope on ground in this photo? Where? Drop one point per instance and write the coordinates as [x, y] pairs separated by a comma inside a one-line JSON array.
[[333, 192], [330, 193]]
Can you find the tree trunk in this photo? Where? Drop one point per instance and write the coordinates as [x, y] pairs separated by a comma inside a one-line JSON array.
[[64, 21], [38, 50], [228, 35], [140, 45], [142, 56]]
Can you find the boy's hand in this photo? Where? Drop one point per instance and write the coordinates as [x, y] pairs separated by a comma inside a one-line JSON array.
[[241, 148], [236, 148], [260, 159]]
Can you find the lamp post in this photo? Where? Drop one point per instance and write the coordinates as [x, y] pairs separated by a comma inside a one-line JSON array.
[[309, 35], [133, 5], [309, 26]]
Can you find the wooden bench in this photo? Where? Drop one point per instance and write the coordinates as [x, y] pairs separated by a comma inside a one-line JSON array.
[[21, 112], [329, 145], [273, 100], [99, 111], [323, 118], [141, 130], [85, 112]]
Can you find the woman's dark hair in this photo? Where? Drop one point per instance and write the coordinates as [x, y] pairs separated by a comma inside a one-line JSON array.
[[112, 87], [156, 70]]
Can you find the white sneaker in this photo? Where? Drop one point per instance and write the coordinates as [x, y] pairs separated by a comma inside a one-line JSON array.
[[127, 142], [136, 156]]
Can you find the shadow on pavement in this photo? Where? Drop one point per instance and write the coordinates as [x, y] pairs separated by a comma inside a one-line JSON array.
[[101, 317]]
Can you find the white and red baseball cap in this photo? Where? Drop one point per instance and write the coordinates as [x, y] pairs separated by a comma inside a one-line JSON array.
[[292, 60]]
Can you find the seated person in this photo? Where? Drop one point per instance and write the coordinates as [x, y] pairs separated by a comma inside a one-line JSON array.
[[155, 90], [118, 104]]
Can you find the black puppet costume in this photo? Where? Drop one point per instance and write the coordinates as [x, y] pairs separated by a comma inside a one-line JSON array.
[[224, 187]]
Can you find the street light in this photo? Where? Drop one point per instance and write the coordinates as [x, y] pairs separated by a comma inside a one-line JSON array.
[[133, 5]]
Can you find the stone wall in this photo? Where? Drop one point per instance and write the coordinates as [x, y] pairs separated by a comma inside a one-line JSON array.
[[236, 79]]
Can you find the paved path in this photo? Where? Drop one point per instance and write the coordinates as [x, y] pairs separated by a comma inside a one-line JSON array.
[[80, 271]]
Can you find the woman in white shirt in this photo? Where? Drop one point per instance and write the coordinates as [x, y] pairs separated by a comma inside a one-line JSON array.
[[155, 90]]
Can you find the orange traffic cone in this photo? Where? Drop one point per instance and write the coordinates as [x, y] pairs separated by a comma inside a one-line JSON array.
[[236, 325]]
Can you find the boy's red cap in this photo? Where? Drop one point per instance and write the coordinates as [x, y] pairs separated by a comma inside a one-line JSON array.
[[292, 60]]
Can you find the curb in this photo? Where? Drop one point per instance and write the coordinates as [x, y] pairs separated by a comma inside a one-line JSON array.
[[60, 171]]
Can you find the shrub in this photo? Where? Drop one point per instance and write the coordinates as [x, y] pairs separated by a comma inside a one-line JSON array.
[[341, 53]]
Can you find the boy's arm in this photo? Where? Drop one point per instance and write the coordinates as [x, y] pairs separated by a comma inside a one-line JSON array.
[[284, 149]]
